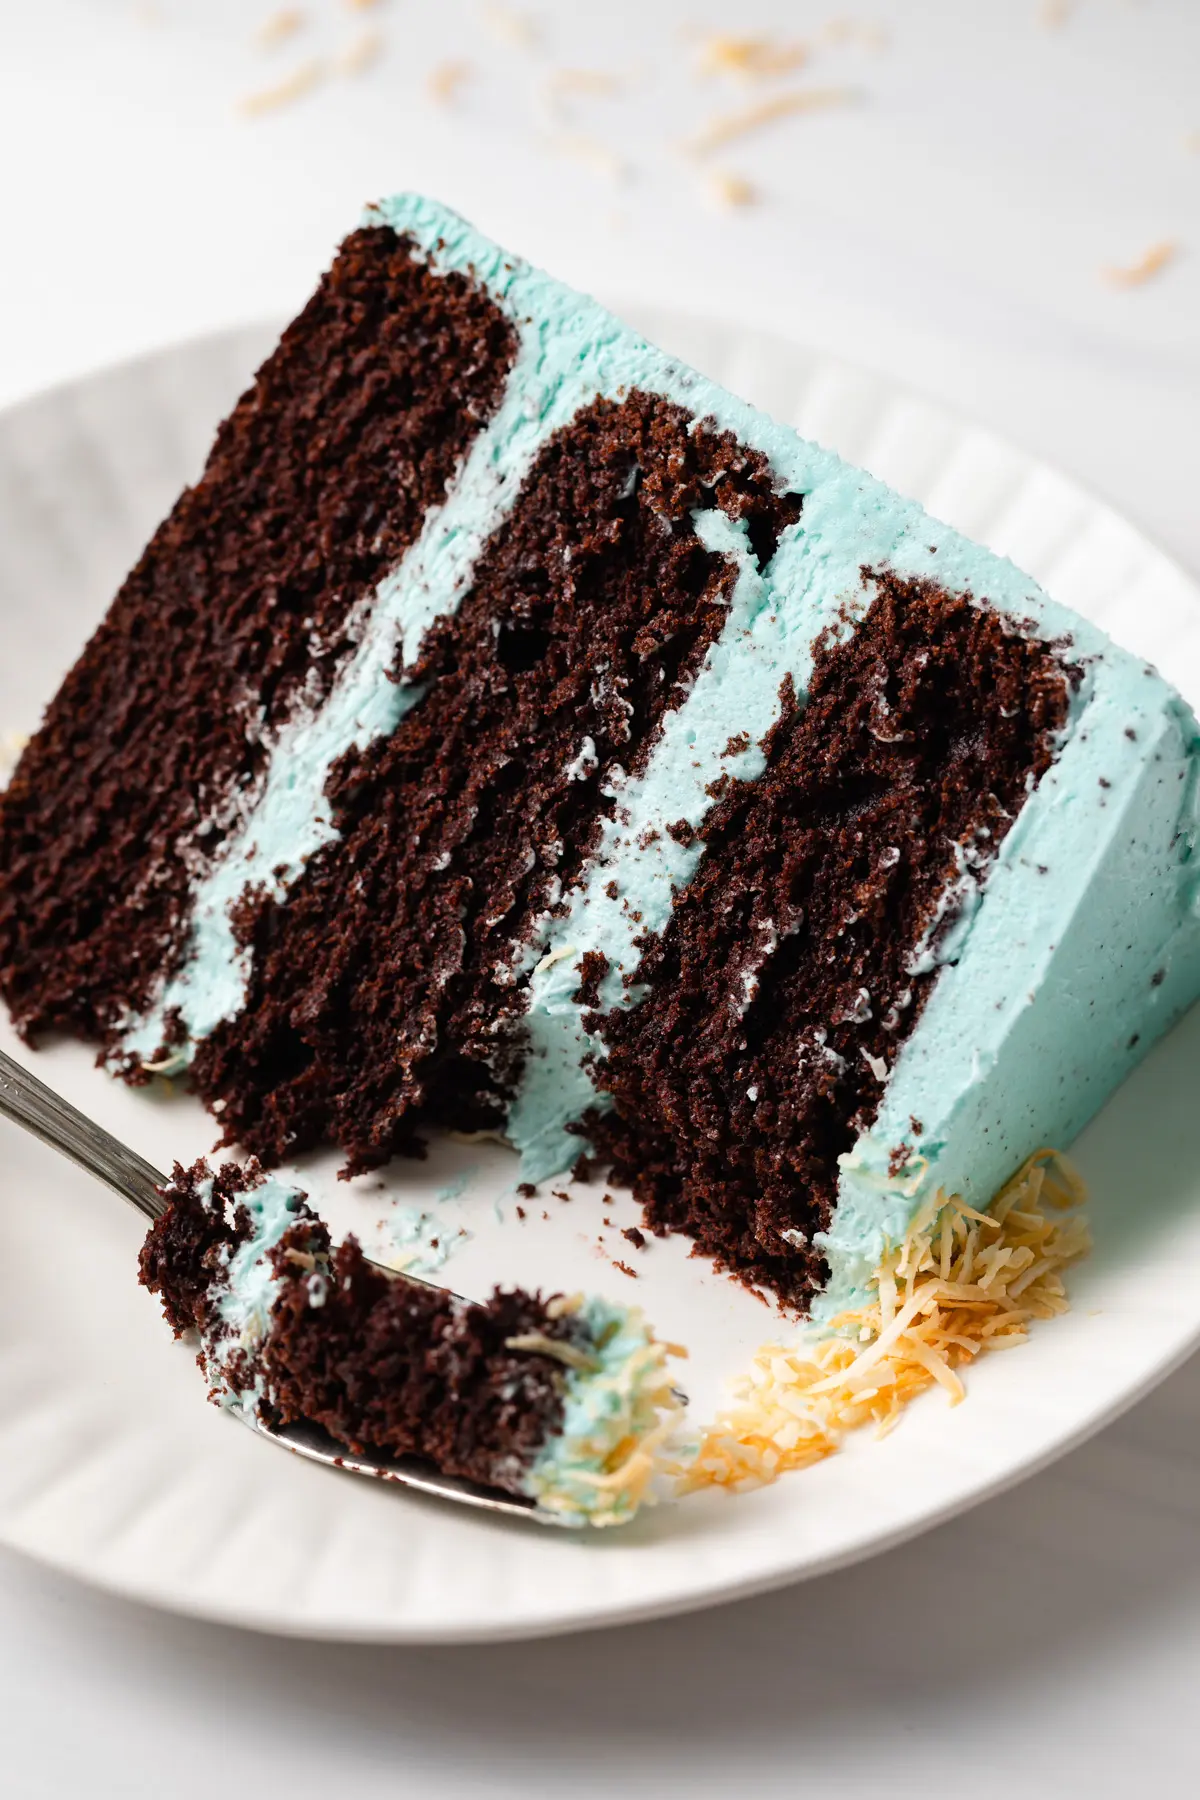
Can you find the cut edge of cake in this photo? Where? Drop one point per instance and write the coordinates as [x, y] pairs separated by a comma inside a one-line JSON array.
[[566, 1401], [1050, 966]]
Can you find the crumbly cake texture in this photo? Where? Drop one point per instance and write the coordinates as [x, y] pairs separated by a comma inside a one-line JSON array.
[[515, 731], [566, 1401], [734, 1104], [242, 609], [590, 610]]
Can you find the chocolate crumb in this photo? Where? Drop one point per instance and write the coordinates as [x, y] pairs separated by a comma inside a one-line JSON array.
[[593, 967]]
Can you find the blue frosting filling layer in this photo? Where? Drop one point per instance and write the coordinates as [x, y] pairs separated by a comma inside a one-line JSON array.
[[248, 1289]]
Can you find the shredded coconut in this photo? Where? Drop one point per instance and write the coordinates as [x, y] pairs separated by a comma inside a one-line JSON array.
[[360, 53], [962, 1282], [729, 126], [540, 1345], [282, 24], [749, 58], [509, 27], [293, 87], [555, 956], [446, 80], [726, 191], [592, 154], [1151, 263]]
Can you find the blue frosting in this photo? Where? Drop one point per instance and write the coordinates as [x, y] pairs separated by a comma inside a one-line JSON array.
[[599, 1465], [248, 1289], [1053, 983]]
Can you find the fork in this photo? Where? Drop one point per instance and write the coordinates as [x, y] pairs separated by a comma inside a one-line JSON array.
[[28, 1102]]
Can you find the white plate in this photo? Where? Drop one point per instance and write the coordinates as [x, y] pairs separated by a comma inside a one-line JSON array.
[[112, 1466]]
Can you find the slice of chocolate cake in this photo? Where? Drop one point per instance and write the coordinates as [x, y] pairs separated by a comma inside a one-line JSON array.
[[564, 1401], [513, 730]]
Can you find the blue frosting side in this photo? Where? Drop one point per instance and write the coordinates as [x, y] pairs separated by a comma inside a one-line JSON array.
[[1085, 950]]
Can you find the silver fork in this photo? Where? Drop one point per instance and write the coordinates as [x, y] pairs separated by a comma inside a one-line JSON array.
[[31, 1104]]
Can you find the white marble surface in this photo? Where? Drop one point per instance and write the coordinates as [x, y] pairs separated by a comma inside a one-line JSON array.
[[950, 227]]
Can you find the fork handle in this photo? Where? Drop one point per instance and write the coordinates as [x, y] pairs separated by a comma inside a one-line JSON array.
[[30, 1103]]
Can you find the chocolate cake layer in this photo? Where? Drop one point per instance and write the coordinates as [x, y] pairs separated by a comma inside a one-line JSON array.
[[388, 1365], [382, 1363], [245, 601], [797, 961], [383, 992]]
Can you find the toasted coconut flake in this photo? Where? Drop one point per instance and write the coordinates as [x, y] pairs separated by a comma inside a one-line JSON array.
[[510, 27], [11, 745], [554, 956], [1151, 263], [961, 1283], [360, 53], [729, 126], [728, 191], [279, 25], [584, 81], [539, 1344], [855, 31], [293, 87], [609, 166], [749, 58], [446, 81], [628, 1474]]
